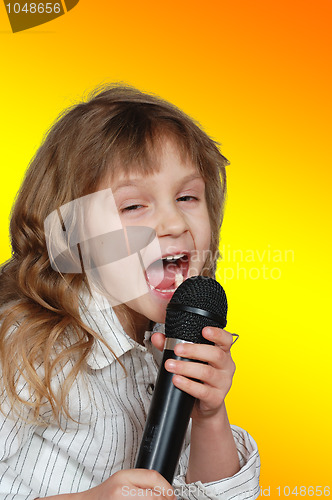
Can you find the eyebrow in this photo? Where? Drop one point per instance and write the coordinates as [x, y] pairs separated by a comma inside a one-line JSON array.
[[140, 180]]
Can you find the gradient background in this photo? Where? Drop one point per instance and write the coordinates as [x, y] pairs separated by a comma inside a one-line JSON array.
[[257, 76]]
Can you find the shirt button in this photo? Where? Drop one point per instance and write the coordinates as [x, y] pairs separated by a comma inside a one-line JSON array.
[[150, 389]]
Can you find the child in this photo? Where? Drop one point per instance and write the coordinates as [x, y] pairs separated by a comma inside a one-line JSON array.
[[122, 202]]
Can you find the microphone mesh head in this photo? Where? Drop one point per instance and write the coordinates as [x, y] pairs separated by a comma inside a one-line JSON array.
[[201, 292]]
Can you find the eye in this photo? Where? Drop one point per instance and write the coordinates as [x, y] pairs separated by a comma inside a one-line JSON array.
[[131, 208], [187, 198]]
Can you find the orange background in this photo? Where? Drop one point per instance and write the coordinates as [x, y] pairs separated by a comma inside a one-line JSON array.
[[257, 76]]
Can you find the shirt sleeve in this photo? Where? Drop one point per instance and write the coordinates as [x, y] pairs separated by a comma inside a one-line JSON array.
[[244, 485], [13, 434]]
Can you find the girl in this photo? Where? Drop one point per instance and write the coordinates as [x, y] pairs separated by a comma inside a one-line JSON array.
[[79, 305]]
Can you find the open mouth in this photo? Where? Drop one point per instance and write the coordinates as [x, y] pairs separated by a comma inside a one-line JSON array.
[[166, 274]]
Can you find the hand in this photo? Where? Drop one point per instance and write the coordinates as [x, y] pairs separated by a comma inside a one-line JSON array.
[[126, 484], [216, 375]]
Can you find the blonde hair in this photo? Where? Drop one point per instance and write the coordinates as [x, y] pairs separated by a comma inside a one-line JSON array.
[[117, 127]]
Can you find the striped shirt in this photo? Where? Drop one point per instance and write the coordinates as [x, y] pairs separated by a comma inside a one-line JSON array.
[[110, 407]]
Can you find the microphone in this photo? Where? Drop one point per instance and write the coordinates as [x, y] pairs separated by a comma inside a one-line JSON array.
[[198, 302]]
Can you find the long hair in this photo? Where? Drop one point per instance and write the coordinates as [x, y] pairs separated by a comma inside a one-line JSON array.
[[116, 128]]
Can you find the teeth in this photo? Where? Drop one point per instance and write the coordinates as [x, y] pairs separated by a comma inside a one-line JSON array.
[[174, 257], [160, 290], [178, 279]]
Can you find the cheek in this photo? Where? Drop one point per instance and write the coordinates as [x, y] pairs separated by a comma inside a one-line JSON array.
[[203, 234], [202, 239]]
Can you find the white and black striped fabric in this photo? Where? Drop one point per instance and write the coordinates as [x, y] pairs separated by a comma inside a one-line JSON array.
[[111, 409]]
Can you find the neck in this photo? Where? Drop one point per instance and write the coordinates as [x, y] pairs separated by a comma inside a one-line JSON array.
[[133, 323]]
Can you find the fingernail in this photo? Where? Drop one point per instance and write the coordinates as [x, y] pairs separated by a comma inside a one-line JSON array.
[[179, 349], [170, 364]]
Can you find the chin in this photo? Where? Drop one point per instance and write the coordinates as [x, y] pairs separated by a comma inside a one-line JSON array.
[[156, 312]]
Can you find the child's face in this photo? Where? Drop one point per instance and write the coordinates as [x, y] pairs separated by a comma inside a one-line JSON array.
[[172, 202]]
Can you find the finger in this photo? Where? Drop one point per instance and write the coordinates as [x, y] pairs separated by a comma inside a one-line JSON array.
[[158, 340], [198, 371], [212, 397], [211, 354], [222, 338], [203, 372], [152, 480]]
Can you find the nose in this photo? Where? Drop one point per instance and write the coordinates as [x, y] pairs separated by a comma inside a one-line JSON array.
[[171, 221]]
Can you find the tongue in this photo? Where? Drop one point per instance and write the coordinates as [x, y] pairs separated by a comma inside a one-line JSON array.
[[162, 276]]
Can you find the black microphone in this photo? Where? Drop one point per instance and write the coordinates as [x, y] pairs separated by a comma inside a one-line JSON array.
[[198, 302]]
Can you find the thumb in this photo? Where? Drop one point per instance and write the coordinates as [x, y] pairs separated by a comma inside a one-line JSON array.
[[158, 340]]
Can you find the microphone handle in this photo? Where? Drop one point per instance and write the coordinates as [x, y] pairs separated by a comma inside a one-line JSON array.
[[166, 424]]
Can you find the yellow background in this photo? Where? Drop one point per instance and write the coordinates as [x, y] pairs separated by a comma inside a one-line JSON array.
[[257, 76]]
